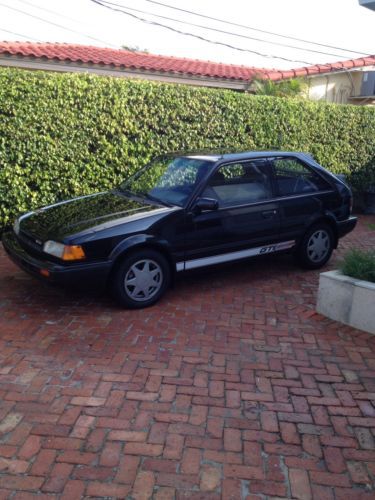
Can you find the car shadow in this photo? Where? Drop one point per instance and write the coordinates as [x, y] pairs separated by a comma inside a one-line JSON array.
[[31, 293]]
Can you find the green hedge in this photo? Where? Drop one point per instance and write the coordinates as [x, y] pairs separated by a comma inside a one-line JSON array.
[[63, 135]]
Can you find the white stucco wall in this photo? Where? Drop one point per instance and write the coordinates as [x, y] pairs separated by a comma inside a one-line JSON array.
[[338, 88]]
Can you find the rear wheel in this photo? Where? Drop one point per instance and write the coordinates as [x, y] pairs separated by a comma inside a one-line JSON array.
[[316, 247], [141, 279]]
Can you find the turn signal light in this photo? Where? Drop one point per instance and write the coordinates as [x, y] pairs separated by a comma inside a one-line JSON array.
[[73, 252]]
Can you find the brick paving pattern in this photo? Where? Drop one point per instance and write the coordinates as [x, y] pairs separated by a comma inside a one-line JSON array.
[[232, 387]]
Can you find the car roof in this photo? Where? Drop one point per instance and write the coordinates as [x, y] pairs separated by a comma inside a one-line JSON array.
[[237, 155]]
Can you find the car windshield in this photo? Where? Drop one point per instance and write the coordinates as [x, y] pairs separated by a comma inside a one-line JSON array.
[[168, 180]]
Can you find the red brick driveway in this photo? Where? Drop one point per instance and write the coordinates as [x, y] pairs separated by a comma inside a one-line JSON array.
[[232, 387]]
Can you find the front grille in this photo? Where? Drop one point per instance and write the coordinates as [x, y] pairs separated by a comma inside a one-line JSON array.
[[30, 244]]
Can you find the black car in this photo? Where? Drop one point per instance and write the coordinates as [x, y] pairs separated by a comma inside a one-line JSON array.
[[182, 212]]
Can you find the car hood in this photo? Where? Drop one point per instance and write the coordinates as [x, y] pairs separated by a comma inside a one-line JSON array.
[[71, 217]]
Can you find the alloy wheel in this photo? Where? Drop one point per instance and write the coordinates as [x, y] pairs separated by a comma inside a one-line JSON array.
[[318, 245], [143, 280]]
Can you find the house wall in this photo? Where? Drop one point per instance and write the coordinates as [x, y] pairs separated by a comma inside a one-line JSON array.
[[339, 88]]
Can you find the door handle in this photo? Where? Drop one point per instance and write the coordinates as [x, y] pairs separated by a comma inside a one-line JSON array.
[[268, 214]]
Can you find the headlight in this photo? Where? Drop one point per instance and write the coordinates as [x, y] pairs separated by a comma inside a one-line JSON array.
[[64, 252], [16, 227]]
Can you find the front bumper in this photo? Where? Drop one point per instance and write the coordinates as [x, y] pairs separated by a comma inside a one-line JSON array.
[[81, 274], [344, 227]]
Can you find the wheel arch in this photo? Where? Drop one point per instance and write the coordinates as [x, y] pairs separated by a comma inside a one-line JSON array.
[[330, 221], [138, 242]]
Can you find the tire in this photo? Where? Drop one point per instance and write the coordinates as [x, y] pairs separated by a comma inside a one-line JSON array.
[[141, 279], [316, 247]]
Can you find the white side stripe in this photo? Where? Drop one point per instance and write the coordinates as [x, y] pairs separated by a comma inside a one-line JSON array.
[[227, 257]]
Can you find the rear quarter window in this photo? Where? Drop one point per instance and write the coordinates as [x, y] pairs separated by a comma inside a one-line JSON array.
[[294, 177]]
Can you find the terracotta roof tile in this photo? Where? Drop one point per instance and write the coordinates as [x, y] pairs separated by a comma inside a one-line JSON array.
[[151, 62]]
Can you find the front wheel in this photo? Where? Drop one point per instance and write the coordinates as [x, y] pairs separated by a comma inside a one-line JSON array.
[[141, 279], [316, 247]]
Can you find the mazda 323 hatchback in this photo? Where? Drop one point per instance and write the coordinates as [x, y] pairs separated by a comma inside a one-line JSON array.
[[182, 212]]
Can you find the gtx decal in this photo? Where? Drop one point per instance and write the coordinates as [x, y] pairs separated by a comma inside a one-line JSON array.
[[227, 257]]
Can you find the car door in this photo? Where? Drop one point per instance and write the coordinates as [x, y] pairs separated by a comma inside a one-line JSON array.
[[246, 221], [303, 195]]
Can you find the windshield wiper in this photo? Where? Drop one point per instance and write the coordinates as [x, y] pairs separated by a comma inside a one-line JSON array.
[[143, 196], [130, 194], [157, 200], [125, 191]]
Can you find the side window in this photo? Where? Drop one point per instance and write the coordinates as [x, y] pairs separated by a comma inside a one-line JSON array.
[[240, 184], [293, 177]]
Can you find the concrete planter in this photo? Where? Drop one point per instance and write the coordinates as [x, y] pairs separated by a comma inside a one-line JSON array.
[[347, 300]]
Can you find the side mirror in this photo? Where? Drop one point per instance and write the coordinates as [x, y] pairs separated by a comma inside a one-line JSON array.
[[202, 204]]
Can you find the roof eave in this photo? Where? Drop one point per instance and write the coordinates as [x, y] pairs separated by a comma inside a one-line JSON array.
[[36, 63]]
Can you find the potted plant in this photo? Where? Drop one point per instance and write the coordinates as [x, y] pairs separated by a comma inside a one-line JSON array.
[[348, 295]]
